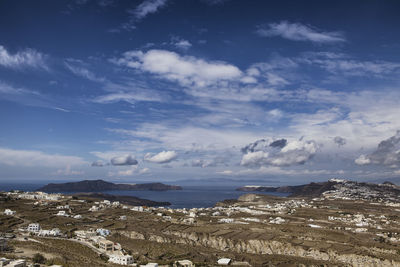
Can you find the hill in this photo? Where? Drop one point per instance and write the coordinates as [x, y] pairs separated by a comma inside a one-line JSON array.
[[101, 185], [336, 188]]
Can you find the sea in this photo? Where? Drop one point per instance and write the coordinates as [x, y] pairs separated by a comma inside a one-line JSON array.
[[189, 197]]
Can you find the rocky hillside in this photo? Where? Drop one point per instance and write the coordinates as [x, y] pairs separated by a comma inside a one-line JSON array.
[[101, 185]]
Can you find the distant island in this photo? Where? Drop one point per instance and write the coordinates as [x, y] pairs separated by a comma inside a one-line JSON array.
[[334, 187], [101, 185]]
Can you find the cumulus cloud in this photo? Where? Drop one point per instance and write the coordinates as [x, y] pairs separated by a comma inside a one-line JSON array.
[[299, 32], [387, 153], [186, 70], [340, 141], [25, 58], [278, 153], [162, 157], [31, 158], [148, 7], [124, 160]]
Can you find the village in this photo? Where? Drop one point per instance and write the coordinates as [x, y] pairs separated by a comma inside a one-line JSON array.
[[96, 224]]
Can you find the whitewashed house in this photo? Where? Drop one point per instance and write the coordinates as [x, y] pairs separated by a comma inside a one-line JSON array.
[[224, 261], [9, 212], [33, 227], [121, 259]]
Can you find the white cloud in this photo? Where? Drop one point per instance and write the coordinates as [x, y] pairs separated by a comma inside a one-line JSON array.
[[83, 72], [387, 153], [362, 160], [148, 7], [30, 158], [278, 153], [300, 32], [21, 59], [180, 43], [162, 157], [186, 70], [363, 118]]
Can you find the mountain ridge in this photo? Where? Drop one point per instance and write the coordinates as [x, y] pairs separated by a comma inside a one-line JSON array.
[[101, 185]]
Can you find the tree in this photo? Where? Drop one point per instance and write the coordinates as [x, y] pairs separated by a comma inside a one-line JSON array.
[[39, 258]]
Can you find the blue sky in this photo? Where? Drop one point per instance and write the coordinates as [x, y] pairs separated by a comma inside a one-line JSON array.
[[163, 90]]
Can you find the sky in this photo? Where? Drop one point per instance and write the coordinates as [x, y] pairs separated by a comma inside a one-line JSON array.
[[284, 92]]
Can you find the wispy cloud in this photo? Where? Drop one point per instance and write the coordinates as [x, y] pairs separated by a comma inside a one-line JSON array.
[[27, 97], [148, 7], [180, 43], [299, 32], [22, 59], [15, 157], [131, 98], [77, 68], [68, 171], [343, 64]]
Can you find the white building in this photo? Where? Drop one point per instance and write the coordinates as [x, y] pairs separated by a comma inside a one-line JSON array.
[[224, 261], [78, 216], [33, 227], [137, 208], [62, 213], [9, 212], [83, 235], [122, 260], [52, 232], [184, 263], [103, 232], [122, 218], [94, 208]]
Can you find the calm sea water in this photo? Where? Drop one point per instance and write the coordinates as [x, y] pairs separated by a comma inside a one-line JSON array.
[[189, 197]]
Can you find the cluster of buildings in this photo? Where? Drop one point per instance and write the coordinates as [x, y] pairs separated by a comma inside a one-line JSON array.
[[35, 195], [104, 204], [349, 190], [98, 239], [35, 229]]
